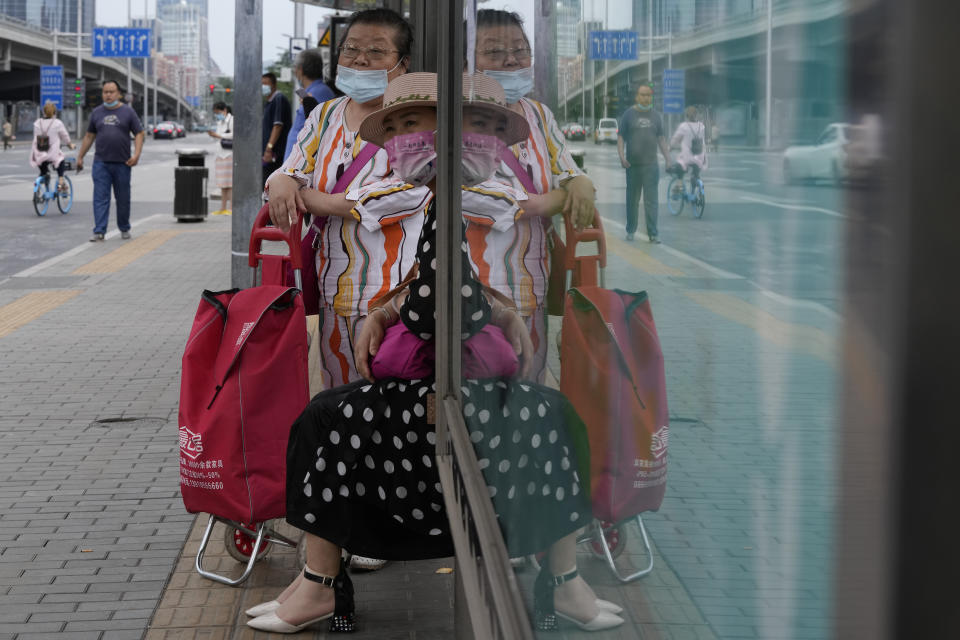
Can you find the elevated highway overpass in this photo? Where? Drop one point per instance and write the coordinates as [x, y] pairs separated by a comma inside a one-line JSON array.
[[25, 48]]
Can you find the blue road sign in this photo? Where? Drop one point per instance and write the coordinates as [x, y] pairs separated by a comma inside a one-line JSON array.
[[121, 42], [674, 90], [193, 101], [51, 85], [613, 45]]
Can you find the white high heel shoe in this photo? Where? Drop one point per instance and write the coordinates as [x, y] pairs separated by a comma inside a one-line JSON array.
[[546, 614], [603, 620], [606, 605], [263, 609], [341, 616]]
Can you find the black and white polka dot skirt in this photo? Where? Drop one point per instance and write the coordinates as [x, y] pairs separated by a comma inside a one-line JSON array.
[[361, 469]]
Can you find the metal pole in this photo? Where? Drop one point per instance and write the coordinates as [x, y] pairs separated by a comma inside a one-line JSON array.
[[179, 83], [297, 33], [146, 65], [670, 66], [769, 90], [247, 149], [154, 37], [650, 41], [79, 63], [55, 47], [583, 67], [606, 68], [129, 60]]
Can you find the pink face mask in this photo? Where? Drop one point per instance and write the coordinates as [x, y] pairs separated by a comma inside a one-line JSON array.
[[413, 156], [480, 156]]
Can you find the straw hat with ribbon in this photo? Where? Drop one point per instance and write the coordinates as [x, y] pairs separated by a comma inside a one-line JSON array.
[[480, 91]]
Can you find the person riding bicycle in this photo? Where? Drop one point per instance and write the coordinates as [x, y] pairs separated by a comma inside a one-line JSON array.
[[49, 135], [691, 137]]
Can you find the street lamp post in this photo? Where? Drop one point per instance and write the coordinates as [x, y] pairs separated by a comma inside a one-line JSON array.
[[769, 90], [79, 62], [146, 64]]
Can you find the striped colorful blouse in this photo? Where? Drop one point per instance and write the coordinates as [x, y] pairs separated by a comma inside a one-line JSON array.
[[358, 259], [510, 254]]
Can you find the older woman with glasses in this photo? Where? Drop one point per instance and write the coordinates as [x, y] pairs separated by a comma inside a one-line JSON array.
[[510, 255], [366, 230]]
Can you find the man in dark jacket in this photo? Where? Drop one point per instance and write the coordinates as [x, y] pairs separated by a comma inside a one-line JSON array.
[[276, 125]]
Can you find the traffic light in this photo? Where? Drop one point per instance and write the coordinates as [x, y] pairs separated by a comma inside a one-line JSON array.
[[79, 91], [228, 90], [212, 87]]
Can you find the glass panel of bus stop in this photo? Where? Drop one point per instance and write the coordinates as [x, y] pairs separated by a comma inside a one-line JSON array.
[[731, 115]]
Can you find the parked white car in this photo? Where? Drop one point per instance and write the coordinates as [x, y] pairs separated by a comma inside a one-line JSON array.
[[823, 160], [606, 131]]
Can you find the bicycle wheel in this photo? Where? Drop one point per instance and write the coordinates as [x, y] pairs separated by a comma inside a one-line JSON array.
[[40, 201], [675, 196], [700, 201], [65, 197]]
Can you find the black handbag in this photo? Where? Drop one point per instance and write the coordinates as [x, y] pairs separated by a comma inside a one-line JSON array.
[[227, 143]]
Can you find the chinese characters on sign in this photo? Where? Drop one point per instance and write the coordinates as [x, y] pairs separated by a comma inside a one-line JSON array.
[[51, 85], [673, 90]]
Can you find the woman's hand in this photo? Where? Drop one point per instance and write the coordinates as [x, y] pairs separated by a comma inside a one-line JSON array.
[[371, 336], [285, 201], [515, 331], [579, 204]]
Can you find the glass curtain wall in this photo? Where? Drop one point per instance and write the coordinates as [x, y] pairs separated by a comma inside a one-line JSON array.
[[691, 377]]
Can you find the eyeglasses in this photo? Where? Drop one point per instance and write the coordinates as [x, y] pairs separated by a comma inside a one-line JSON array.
[[499, 55], [373, 54]]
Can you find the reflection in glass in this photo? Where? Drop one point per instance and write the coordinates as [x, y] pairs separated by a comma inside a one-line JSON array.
[[735, 240]]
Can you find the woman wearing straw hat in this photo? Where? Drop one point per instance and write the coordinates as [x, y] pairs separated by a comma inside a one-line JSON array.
[[365, 232], [360, 463]]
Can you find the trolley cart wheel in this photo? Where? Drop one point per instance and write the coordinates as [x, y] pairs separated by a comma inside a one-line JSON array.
[[239, 543], [263, 533], [616, 538]]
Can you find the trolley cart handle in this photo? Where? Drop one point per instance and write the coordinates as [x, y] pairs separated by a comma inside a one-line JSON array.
[[263, 229], [593, 233]]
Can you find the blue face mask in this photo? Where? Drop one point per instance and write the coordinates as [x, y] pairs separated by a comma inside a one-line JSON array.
[[111, 105], [516, 84], [362, 85], [265, 89], [219, 116]]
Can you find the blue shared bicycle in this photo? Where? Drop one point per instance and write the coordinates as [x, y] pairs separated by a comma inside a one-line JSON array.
[[678, 192], [43, 194]]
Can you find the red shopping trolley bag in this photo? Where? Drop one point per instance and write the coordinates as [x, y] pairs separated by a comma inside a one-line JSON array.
[[611, 370], [244, 382]]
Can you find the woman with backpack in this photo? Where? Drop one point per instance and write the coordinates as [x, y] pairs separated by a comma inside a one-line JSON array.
[[690, 136], [49, 135]]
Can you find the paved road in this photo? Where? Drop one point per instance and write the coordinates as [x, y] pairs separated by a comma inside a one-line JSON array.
[[786, 240], [26, 239]]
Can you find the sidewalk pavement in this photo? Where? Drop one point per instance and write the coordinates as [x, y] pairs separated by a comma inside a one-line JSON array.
[[95, 543]]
